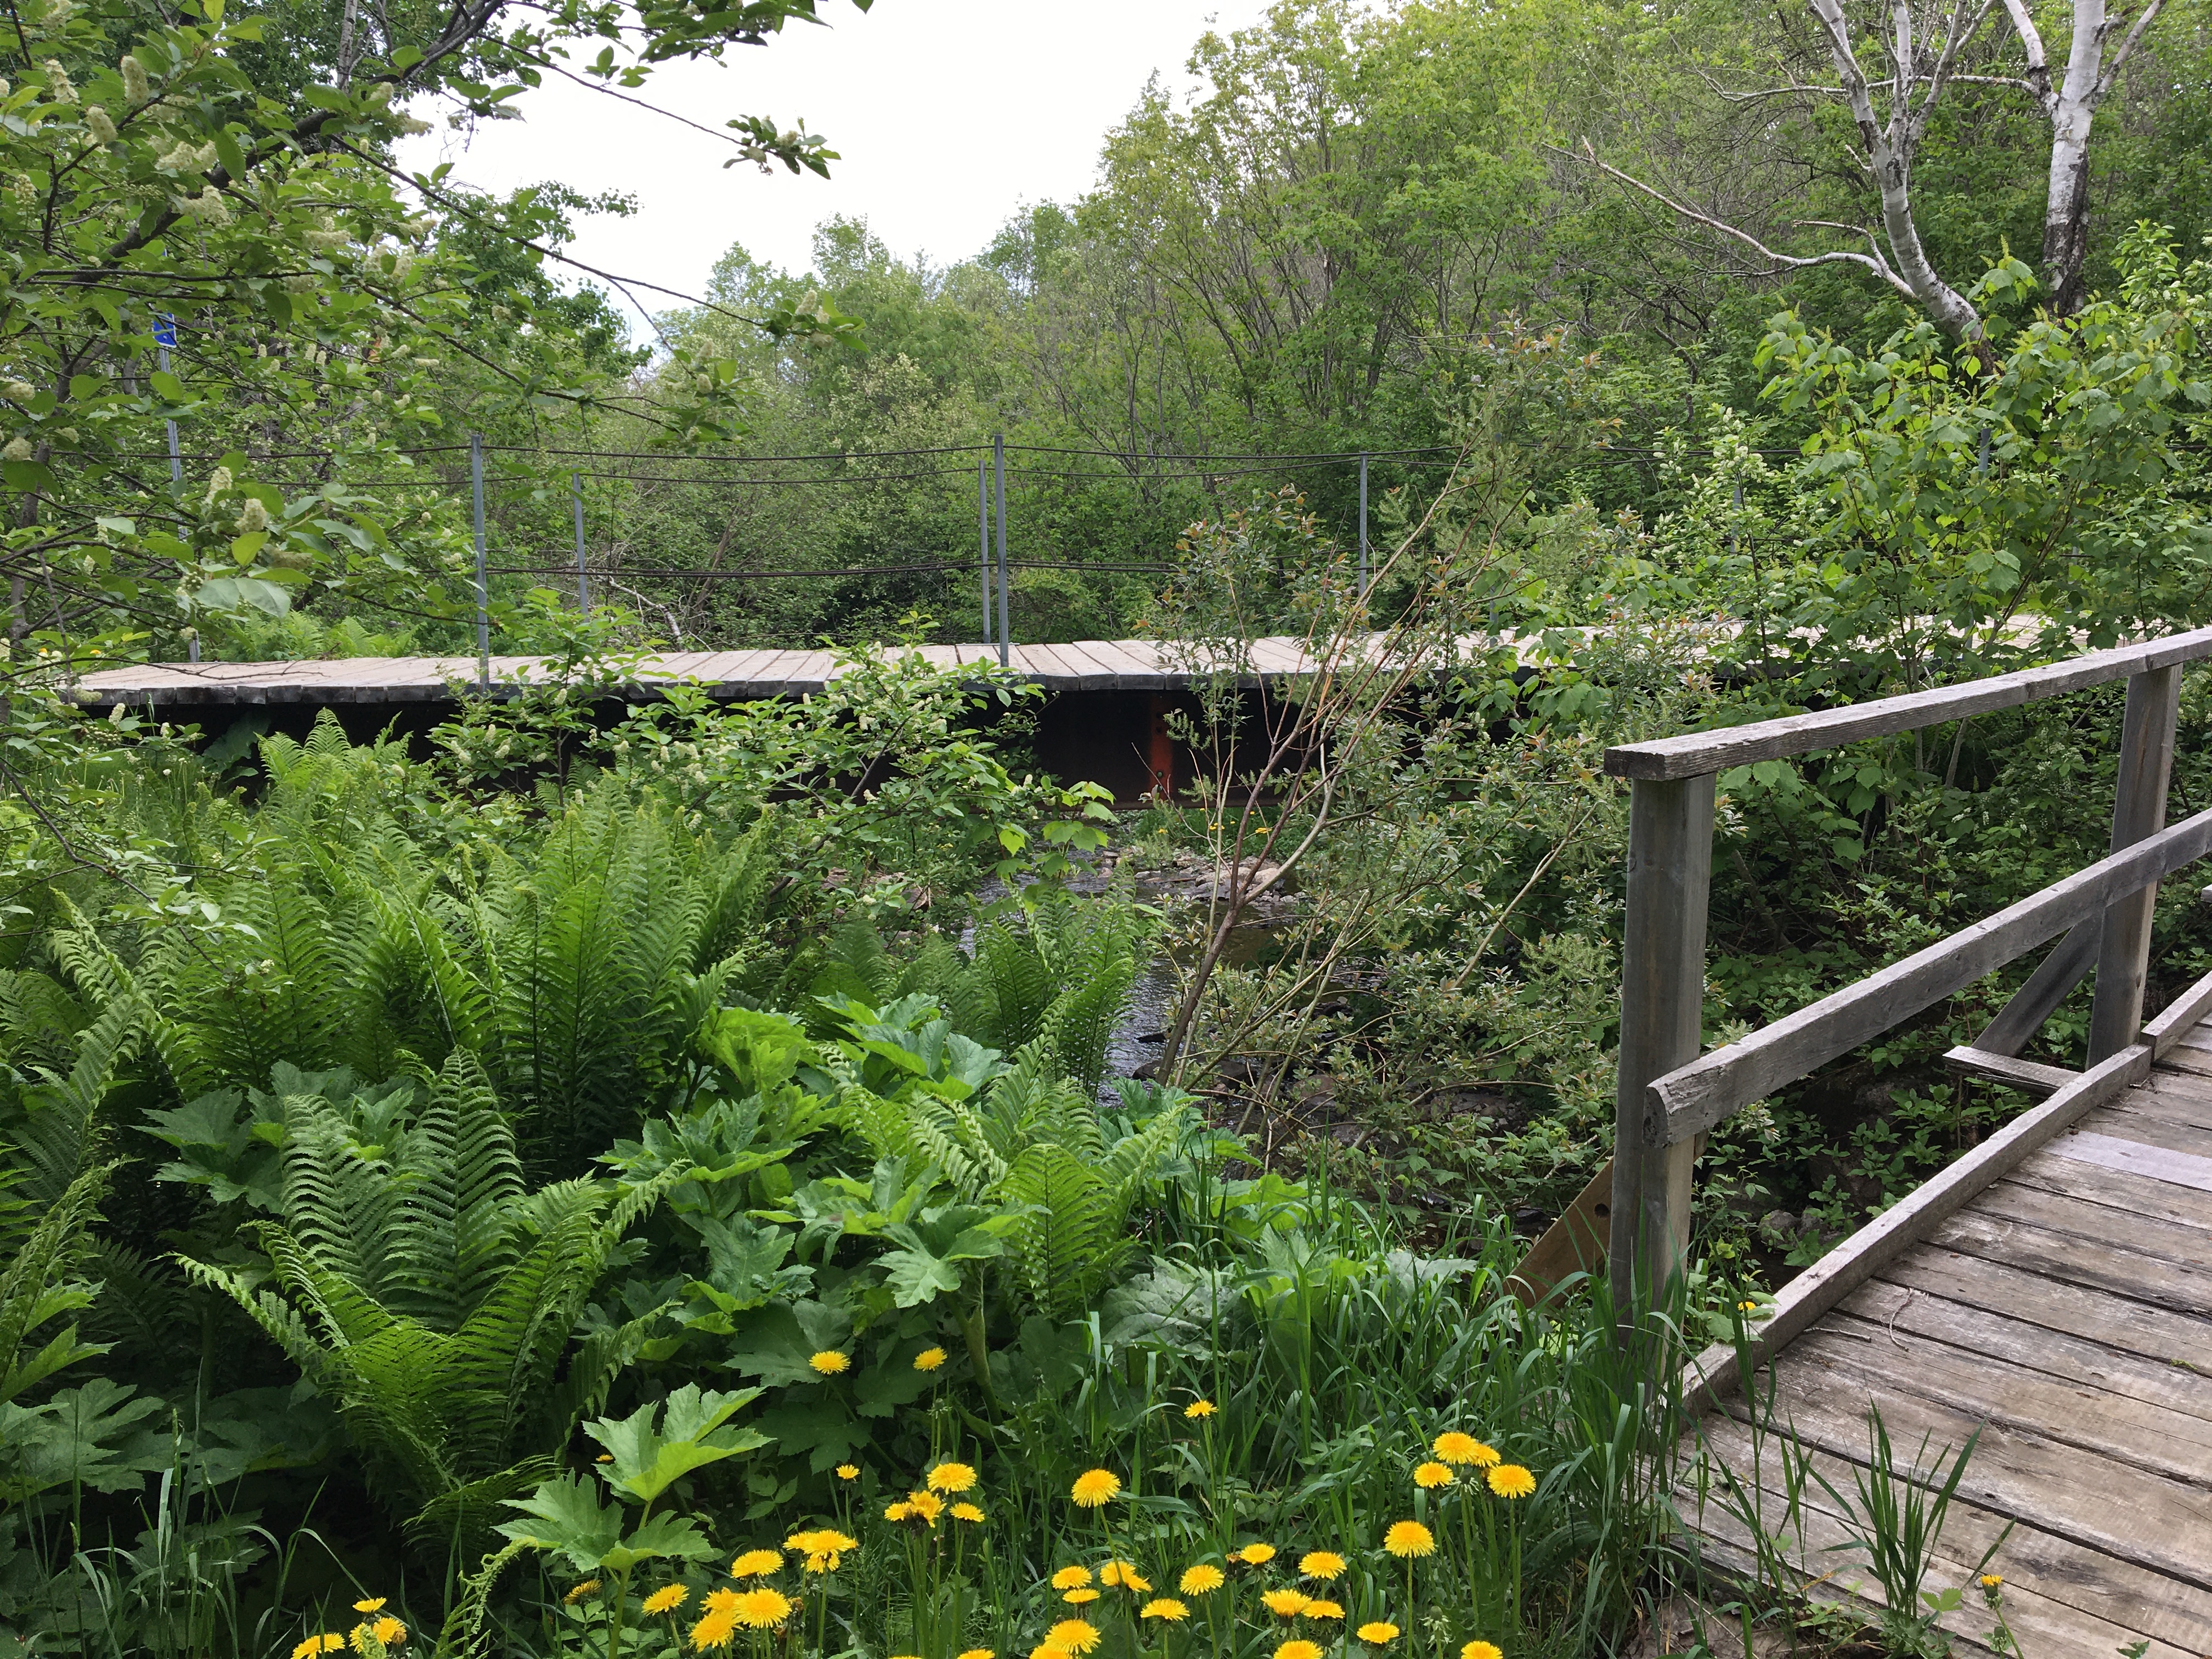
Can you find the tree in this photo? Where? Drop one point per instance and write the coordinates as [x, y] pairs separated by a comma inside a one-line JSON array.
[[1927, 52]]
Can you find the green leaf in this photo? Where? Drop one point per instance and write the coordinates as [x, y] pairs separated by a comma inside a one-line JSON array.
[[166, 386], [663, 1537], [646, 1461], [567, 1516]]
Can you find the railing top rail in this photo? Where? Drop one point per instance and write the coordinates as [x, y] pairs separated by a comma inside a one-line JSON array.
[[1694, 754]]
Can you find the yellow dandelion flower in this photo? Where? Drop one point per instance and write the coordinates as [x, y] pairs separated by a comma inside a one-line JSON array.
[[1511, 1481], [374, 1604], [897, 1511], [763, 1608], [951, 1477], [979, 1653], [1285, 1603], [1378, 1633], [1077, 1598], [925, 1504], [1482, 1650], [1299, 1650], [967, 1512], [1747, 1307], [1164, 1606], [1429, 1476], [929, 1359], [1073, 1636], [1991, 1580], [1096, 1488], [1407, 1538], [1203, 1579], [577, 1593], [830, 1361], [715, 1630], [604, 1457], [1123, 1575], [849, 1471], [388, 1631], [1255, 1555], [1453, 1447], [755, 1564], [1071, 1578], [1322, 1610], [667, 1599], [1323, 1565], [329, 1642], [1046, 1651], [1199, 1409]]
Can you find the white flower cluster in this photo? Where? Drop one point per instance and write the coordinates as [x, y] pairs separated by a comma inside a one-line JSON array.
[[252, 516], [218, 484], [57, 83], [97, 123], [136, 87]]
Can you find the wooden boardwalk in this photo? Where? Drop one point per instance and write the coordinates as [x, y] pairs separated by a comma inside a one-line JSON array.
[[2066, 1310]]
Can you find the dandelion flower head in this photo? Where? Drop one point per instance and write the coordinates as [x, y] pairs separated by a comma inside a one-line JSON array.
[[1073, 1636], [1078, 1598], [1200, 1409], [1482, 1650], [1407, 1538], [967, 1512], [929, 1359], [1073, 1578], [1453, 1447], [1322, 1610], [897, 1511], [979, 1653], [388, 1632], [1298, 1649], [1164, 1606], [1429, 1476], [718, 1622], [927, 1505], [1991, 1580], [1323, 1565], [1201, 1580], [1255, 1555], [328, 1642], [578, 1592], [374, 1604], [1511, 1481], [667, 1599], [763, 1608], [1096, 1488], [952, 1477], [849, 1471], [1378, 1633], [830, 1361], [1046, 1651], [1285, 1603], [1123, 1575], [756, 1564]]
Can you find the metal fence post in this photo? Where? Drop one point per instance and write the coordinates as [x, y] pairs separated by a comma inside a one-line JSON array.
[[2138, 810], [164, 336], [999, 478], [483, 583], [1662, 980], [983, 538], [576, 500]]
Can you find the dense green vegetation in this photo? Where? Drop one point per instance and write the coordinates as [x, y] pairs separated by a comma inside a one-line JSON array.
[[607, 1177]]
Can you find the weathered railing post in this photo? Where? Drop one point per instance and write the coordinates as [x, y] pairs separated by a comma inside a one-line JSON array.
[[1662, 980], [2138, 810]]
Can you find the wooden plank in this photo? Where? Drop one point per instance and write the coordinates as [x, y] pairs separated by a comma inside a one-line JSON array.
[[2131, 1514], [2138, 811], [2052, 981], [2180, 1017], [1696, 752], [1104, 675], [2047, 1576], [2025, 1075], [1574, 1243], [2112, 1425], [1851, 1263], [1663, 979], [2129, 1199], [2005, 1228], [2132, 1118], [1691, 1101], [2137, 1158], [2151, 1352]]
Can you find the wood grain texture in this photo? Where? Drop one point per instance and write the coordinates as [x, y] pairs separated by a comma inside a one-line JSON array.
[[2025, 1075], [2180, 1018], [2137, 1158], [1697, 752], [2172, 1343]]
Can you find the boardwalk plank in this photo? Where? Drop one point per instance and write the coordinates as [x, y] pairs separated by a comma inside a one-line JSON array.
[[2071, 1257], [2071, 1318], [2076, 1601], [2162, 1524], [2134, 1198]]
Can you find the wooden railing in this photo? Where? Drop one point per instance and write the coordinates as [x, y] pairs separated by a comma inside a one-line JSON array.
[[1670, 1096]]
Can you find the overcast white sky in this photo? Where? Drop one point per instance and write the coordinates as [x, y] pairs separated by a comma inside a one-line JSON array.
[[948, 114]]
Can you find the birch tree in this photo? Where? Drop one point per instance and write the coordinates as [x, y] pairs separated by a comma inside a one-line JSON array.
[[1892, 66]]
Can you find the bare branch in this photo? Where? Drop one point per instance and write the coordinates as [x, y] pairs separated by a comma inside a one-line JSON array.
[[2038, 62], [2126, 49]]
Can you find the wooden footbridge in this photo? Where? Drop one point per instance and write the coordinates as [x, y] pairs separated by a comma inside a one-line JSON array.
[[2052, 1288]]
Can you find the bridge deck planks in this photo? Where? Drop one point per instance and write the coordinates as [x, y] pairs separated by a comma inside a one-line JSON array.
[[2066, 1312]]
